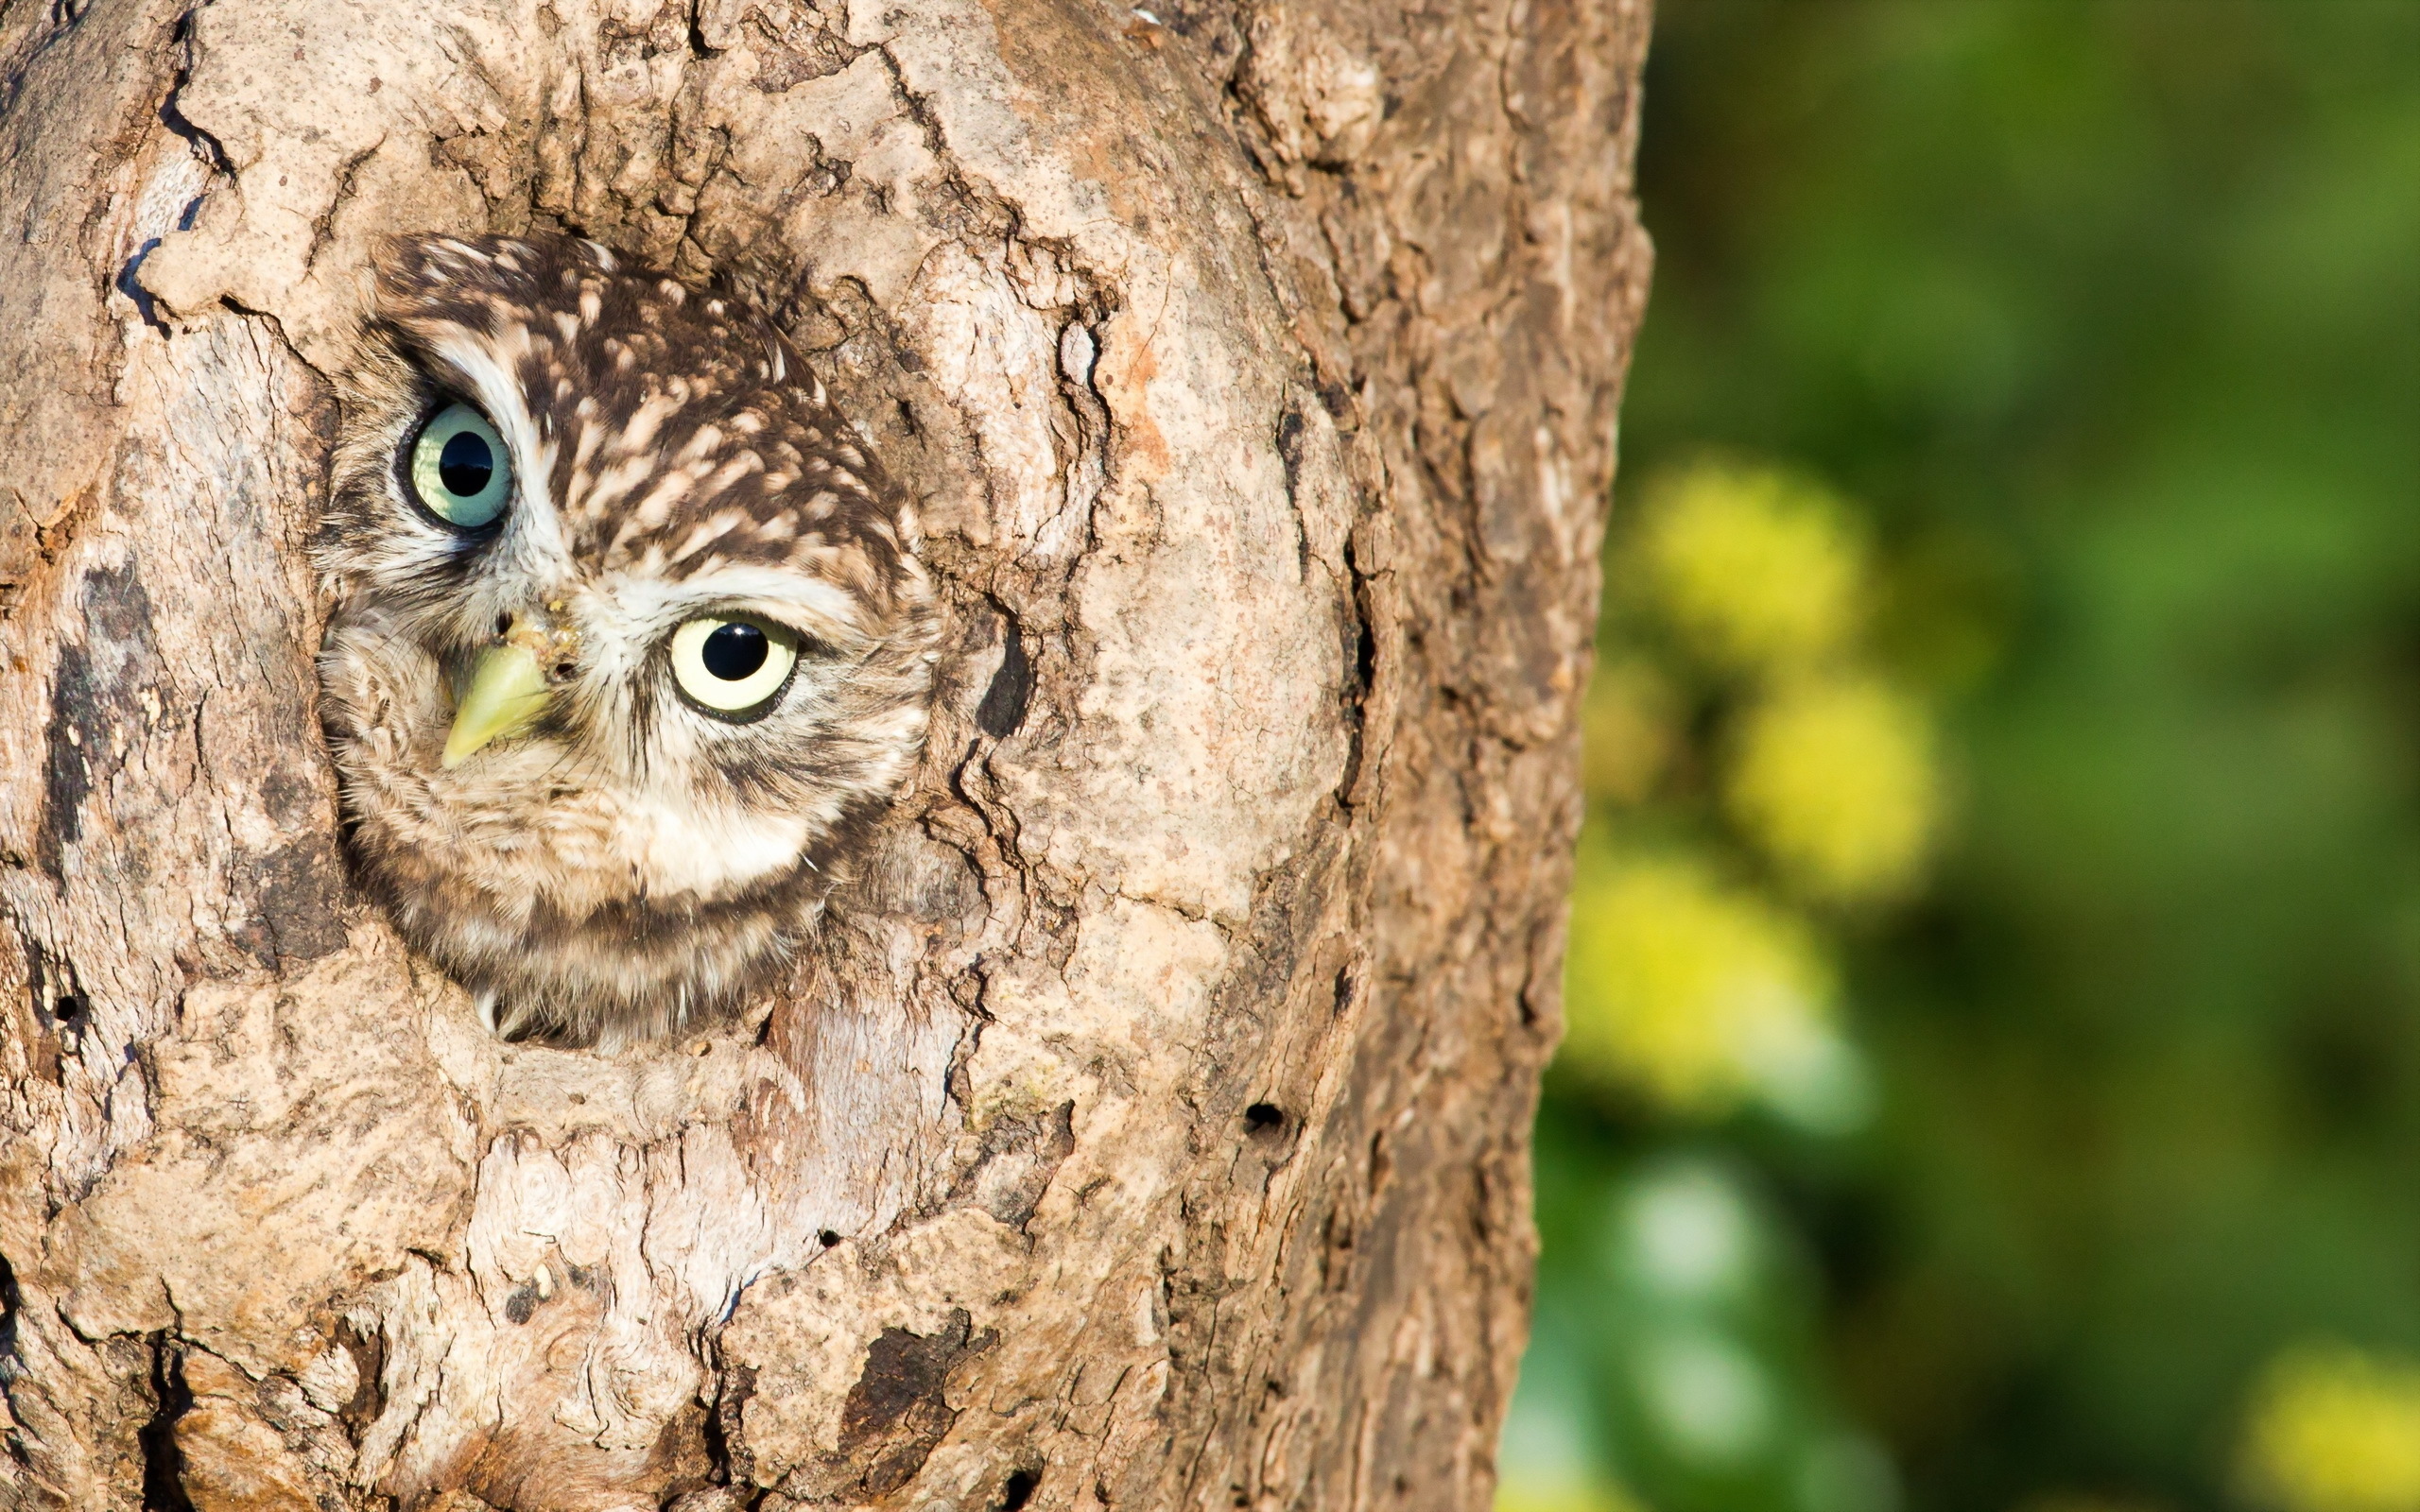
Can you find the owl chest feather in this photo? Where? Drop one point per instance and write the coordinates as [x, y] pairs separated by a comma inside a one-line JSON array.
[[587, 847]]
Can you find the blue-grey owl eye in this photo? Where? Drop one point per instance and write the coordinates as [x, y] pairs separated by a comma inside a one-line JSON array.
[[731, 667], [461, 472]]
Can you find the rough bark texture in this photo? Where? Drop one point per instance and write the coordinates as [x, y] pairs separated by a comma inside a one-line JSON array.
[[1150, 1131]]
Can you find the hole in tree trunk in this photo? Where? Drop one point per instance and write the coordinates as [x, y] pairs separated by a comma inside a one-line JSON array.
[[164, 1465], [1003, 706]]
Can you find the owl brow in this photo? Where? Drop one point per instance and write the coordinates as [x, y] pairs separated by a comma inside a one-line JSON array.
[[813, 636], [829, 633]]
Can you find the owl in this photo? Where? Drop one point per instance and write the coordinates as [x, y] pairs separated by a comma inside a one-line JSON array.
[[629, 644]]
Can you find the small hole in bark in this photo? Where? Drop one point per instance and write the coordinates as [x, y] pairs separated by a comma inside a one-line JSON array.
[[1003, 706], [1018, 1490], [164, 1464], [1264, 1118], [369, 1351], [829, 1237], [68, 1008]]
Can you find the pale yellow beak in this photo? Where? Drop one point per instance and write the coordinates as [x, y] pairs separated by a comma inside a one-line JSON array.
[[507, 694]]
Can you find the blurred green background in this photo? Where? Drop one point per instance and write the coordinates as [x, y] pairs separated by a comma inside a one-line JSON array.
[[1993, 1073]]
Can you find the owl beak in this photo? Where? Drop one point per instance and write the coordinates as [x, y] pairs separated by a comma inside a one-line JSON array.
[[507, 692]]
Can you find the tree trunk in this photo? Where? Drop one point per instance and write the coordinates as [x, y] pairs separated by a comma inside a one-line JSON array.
[[1149, 1129]]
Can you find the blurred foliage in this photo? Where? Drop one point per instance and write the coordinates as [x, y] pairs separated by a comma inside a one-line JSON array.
[[1758, 786], [1992, 1071]]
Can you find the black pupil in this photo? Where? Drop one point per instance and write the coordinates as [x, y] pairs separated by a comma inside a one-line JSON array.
[[466, 464], [735, 651]]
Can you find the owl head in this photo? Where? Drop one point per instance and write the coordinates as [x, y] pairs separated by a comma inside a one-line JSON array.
[[629, 646]]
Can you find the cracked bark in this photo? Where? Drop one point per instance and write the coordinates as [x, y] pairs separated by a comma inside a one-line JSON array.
[[1150, 1131]]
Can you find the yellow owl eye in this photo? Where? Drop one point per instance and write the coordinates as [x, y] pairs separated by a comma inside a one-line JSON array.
[[733, 668], [461, 470]]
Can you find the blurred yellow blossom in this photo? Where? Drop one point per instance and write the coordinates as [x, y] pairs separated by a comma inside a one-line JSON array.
[[1833, 779], [1757, 569], [1516, 1496], [1701, 995], [2335, 1429]]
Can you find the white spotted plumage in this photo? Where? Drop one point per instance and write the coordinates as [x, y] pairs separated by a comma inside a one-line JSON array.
[[605, 857]]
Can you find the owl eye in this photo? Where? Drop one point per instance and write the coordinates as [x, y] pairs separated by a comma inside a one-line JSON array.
[[733, 668], [460, 471]]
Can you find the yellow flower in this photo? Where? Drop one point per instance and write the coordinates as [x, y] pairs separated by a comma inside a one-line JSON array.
[[1757, 569], [1701, 996], [1835, 779], [2335, 1429], [1516, 1497]]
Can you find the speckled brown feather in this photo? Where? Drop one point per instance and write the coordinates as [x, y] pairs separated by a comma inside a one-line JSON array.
[[631, 864], [685, 432]]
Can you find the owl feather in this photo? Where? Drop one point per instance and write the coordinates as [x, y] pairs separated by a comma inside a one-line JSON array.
[[626, 503]]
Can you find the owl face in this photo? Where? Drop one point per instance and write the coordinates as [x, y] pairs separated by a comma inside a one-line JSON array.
[[630, 642]]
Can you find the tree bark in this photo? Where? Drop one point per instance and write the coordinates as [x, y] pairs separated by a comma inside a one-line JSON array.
[[1149, 1127]]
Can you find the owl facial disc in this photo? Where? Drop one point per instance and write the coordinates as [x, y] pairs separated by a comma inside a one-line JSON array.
[[632, 647]]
